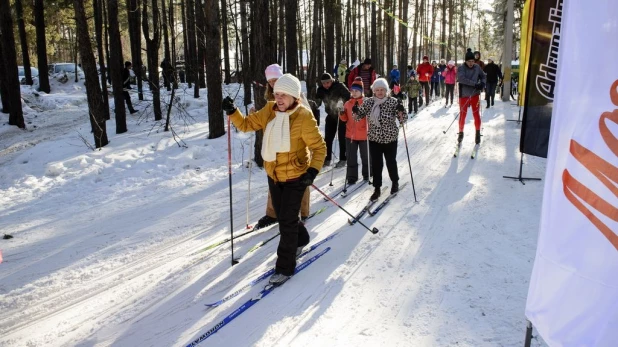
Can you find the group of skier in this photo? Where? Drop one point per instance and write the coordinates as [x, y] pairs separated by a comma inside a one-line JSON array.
[[363, 112]]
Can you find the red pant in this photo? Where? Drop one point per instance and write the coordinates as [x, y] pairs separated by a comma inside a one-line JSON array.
[[463, 109]]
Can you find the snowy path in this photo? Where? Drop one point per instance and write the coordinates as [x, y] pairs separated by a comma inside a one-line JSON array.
[[106, 247]]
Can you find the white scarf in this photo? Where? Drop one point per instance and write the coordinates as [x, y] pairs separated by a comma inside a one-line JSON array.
[[277, 135], [374, 117]]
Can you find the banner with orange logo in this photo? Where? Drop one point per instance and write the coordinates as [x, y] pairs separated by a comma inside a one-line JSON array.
[[573, 294]]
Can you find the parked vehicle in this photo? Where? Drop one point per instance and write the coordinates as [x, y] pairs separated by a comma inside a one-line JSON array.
[[21, 72], [67, 68]]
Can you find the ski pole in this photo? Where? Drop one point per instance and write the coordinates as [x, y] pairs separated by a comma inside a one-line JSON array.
[[332, 172], [229, 165], [403, 127], [368, 153], [373, 231], [458, 113], [249, 188]]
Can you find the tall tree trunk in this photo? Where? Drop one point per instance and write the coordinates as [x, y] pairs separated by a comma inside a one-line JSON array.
[[166, 45], [93, 88], [152, 50], [403, 40], [338, 32], [4, 90], [116, 66], [172, 26], [41, 45], [185, 37], [135, 36], [226, 47], [374, 34], [193, 71], [262, 58], [246, 67], [329, 37], [19, 11], [281, 36], [200, 28], [98, 27], [216, 122], [443, 31], [273, 29], [106, 39], [415, 48], [449, 44], [291, 46], [11, 79]]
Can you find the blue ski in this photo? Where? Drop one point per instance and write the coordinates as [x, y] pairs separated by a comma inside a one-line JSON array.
[[267, 274], [365, 209], [383, 203], [267, 290], [347, 192]]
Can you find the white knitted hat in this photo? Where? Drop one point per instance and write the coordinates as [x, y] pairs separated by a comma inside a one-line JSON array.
[[380, 83], [288, 84], [273, 71]]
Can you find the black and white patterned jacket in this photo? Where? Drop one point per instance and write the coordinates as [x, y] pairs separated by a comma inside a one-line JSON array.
[[388, 130]]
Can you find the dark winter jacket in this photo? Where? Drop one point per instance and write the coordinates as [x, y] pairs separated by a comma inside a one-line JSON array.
[[126, 78], [493, 73], [331, 96], [435, 77], [468, 78], [388, 130], [441, 68], [395, 76]]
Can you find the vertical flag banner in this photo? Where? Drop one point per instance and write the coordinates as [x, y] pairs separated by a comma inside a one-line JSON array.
[[526, 37], [541, 77], [573, 294]]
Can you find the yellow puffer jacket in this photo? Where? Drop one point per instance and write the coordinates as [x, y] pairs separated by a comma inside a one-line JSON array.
[[304, 137]]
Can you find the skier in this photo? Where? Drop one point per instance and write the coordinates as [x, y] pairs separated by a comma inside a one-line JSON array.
[[441, 68], [494, 75], [342, 71], [382, 112], [290, 134], [435, 81], [395, 75], [412, 88], [397, 93], [273, 73], [126, 85], [366, 72], [477, 59], [332, 94], [450, 77], [471, 82], [424, 71], [355, 134]]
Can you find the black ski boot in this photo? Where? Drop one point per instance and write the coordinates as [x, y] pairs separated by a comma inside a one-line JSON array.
[[376, 194], [265, 221], [460, 137], [395, 187], [477, 137]]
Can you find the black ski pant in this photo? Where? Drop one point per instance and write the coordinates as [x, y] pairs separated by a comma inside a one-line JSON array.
[[286, 199], [435, 89], [490, 93], [450, 90], [425, 87], [330, 129], [412, 104], [381, 152], [127, 99], [352, 170]]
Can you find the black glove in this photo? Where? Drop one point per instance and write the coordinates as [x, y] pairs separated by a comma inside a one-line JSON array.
[[355, 108], [228, 105], [307, 178], [400, 108], [479, 86]]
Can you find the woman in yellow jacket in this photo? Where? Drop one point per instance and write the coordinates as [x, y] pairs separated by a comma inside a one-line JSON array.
[[293, 151]]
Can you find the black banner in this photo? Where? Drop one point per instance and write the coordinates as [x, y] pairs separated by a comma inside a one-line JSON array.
[[542, 69]]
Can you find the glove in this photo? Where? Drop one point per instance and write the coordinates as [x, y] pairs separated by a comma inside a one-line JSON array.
[[479, 86], [355, 108], [340, 106], [307, 178], [400, 108], [228, 105]]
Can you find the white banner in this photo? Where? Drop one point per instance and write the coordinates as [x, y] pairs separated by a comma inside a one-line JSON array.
[[573, 294]]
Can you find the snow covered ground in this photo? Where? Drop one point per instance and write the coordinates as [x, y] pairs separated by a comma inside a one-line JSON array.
[[107, 246]]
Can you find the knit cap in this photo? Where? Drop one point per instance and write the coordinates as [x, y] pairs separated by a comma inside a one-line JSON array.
[[358, 85], [451, 63], [326, 77], [273, 71], [380, 83], [469, 54], [288, 84]]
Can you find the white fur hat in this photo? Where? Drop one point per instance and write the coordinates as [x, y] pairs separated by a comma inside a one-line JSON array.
[[273, 71], [380, 83], [288, 84]]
